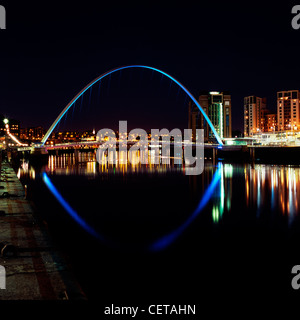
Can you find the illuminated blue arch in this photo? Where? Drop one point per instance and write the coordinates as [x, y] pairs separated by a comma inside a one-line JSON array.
[[158, 245], [118, 69], [163, 242]]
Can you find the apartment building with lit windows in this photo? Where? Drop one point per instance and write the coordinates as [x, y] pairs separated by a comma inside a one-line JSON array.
[[217, 106], [254, 111], [288, 110]]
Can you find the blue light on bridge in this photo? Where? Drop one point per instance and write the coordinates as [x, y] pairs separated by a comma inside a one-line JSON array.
[[165, 241], [118, 69], [69, 209], [159, 244]]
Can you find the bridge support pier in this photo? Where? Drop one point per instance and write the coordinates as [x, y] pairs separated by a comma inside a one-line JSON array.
[[214, 156], [76, 156], [252, 154]]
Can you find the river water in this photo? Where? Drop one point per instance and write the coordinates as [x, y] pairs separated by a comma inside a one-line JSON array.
[[150, 232]]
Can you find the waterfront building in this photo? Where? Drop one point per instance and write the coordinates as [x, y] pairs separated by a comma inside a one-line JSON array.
[[254, 111], [217, 106], [288, 110]]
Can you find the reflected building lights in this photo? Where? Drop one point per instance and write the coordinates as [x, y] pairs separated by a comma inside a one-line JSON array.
[[282, 182], [258, 191], [26, 171], [223, 193], [126, 162], [267, 188]]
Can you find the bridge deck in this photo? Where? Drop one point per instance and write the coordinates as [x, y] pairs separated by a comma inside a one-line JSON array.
[[37, 271]]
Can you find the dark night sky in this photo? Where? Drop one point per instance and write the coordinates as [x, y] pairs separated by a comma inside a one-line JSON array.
[[51, 50]]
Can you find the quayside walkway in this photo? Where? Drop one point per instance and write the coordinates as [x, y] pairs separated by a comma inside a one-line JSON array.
[[34, 269]]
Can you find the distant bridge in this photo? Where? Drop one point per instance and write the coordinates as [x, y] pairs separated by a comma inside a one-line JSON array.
[[96, 144]]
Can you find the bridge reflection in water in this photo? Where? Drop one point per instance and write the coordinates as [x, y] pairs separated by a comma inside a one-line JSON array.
[[262, 188], [249, 220]]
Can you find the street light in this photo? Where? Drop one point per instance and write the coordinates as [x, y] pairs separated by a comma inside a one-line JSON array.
[[6, 121]]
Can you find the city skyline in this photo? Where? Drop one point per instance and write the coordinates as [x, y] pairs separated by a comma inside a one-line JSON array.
[[239, 122], [257, 117]]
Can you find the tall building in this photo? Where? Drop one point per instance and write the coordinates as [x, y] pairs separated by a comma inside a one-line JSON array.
[[254, 111], [217, 106], [288, 116]]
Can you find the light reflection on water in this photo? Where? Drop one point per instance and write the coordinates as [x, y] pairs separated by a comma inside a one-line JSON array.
[[277, 184], [87, 165], [261, 186]]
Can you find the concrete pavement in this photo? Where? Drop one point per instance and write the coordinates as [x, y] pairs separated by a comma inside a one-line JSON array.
[[35, 270]]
